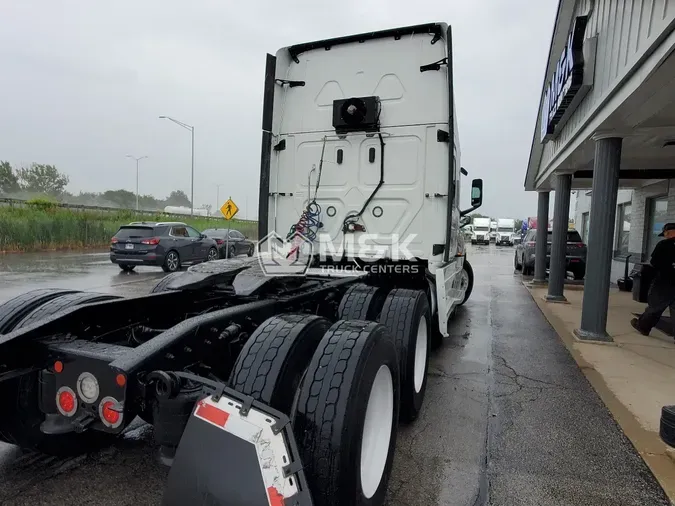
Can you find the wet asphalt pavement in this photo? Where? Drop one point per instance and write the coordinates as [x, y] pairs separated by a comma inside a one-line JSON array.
[[509, 419]]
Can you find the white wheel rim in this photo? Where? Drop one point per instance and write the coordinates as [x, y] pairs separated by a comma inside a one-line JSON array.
[[377, 431], [172, 261], [464, 279], [421, 354], [212, 254]]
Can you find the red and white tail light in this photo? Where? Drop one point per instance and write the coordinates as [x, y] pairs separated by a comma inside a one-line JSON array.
[[111, 412], [66, 401]]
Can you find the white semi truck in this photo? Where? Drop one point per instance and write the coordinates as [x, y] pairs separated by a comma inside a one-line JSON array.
[[282, 378], [505, 230], [481, 231]]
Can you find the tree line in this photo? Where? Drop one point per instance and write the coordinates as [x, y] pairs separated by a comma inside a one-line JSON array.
[[43, 180]]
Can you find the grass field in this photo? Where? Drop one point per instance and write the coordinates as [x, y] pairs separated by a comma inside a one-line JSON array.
[[35, 228]]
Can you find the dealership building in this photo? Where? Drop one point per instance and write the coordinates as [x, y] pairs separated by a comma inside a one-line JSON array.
[[605, 130]]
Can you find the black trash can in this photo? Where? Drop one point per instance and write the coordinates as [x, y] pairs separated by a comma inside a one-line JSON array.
[[667, 430], [642, 280]]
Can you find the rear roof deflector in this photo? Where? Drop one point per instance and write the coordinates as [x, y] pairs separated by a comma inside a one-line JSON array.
[[430, 28]]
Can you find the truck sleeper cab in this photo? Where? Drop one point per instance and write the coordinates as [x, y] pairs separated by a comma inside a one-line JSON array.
[[222, 357]]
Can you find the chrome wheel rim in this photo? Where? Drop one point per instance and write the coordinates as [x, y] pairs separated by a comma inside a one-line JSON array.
[[212, 254], [172, 261]]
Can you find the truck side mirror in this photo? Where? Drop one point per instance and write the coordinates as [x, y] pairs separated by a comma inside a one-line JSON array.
[[476, 197], [477, 192]]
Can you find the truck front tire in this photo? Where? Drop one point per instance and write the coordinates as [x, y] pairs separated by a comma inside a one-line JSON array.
[[468, 272], [347, 412], [407, 316]]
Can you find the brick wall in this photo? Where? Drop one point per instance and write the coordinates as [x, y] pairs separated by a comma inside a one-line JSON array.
[[639, 216]]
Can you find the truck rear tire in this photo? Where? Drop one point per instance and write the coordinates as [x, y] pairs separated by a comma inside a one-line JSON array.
[[346, 418], [361, 302], [58, 304], [468, 271], [271, 364], [14, 310], [407, 316]]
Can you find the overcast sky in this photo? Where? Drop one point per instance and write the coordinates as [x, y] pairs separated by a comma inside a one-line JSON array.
[[83, 83]]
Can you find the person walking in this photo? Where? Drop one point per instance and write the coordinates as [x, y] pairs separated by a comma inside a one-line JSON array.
[[662, 291]]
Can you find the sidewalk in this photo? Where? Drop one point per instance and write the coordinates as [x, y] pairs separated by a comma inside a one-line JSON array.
[[634, 376]]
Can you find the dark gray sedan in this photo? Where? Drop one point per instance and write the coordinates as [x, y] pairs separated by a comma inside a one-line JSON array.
[[230, 242]]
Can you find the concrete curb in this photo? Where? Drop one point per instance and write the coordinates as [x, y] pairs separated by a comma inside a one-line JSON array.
[[657, 455]]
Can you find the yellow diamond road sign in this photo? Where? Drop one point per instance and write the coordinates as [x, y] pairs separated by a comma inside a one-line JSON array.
[[229, 209]]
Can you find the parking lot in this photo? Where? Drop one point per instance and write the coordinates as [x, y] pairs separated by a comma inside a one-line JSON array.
[[509, 419]]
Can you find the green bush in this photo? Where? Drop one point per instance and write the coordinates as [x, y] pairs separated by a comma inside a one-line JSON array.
[[43, 225]]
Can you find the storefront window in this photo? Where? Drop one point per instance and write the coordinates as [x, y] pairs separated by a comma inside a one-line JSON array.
[[658, 216], [623, 229]]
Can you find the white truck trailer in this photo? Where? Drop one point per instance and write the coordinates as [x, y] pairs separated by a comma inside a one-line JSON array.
[[505, 229], [481, 231], [282, 378]]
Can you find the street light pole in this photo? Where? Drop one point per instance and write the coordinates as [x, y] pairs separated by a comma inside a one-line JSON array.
[[192, 182], [137, 160]]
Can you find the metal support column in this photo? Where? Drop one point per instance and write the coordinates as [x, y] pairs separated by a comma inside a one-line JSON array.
[[561, 213], [542, 233], [600, 239]]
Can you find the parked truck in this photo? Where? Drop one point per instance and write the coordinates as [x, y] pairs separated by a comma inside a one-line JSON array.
[[481, 231], [505, 229], [282, 378]]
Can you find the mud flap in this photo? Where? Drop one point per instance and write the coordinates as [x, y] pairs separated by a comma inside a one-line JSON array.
[[235, 451]]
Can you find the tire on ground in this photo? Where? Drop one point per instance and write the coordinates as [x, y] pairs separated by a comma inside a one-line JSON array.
[[12, 311], [271, 364], [407, 316], [339, 425], [469, 271], [361, 302], [163, 283], [60, 303]]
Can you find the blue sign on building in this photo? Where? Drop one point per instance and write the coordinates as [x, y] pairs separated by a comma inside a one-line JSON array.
[[566, 82]]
